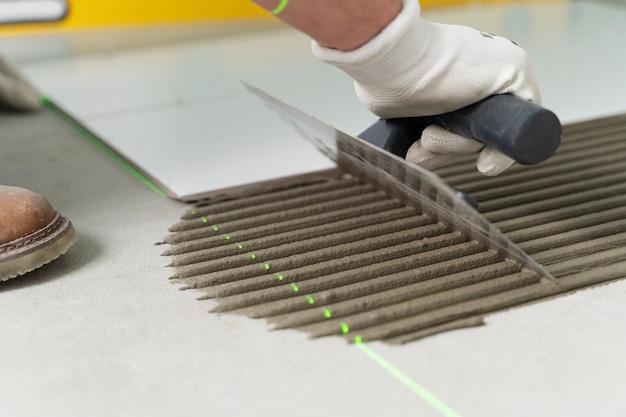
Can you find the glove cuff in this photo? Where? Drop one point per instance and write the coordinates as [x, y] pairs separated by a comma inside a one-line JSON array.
[[391, 60]]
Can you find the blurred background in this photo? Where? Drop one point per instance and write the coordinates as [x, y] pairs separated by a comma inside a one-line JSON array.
[[20, 17]]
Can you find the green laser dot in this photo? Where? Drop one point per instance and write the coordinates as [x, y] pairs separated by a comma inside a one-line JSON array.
[[295, 288], [227, 237], [280, 277], [252, 256], [215, 228], [239, 246], [327, 313], [204, 220], [266, 267], [358, 340], [344, 328], [310, 299], [193, 212]]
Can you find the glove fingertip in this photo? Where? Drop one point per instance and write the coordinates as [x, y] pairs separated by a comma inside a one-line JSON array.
[[417, 154], [439, 140], [491, 162]]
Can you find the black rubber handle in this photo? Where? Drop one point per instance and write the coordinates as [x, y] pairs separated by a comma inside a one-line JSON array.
[[524, 131]]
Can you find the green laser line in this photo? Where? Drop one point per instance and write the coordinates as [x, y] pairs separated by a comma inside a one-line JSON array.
[[433, 401], [86, 134], [428, 397]]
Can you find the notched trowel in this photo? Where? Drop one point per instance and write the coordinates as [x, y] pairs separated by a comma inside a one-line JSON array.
[[526, 132]]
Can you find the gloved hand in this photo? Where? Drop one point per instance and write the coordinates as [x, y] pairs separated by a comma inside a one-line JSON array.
[[16, 93], [419, 68]]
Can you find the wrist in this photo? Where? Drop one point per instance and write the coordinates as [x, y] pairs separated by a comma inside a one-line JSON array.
[[389, 57], [357, 25], [343, 25]]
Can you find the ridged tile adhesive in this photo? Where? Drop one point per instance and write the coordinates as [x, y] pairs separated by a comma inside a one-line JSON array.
[[340, 253]]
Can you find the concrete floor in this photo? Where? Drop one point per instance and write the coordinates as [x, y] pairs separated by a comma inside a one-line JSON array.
[[102, 332]]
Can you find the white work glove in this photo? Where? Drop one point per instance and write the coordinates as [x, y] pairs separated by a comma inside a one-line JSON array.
[[419, 68], [16, 93]]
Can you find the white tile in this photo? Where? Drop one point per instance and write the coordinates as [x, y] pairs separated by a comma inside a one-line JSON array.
[[181, 114], [159, 105], [212, 145]]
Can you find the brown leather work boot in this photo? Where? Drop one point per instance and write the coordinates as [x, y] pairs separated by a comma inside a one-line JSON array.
[[32, 233]]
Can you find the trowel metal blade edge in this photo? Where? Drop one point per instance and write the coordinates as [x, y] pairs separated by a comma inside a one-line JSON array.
[[411, 183]]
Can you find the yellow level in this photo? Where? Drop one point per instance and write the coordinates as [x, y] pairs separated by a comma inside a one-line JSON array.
[[85, 14]]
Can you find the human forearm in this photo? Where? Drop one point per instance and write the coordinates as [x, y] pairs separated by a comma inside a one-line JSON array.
[[338, 24], [405, 66]]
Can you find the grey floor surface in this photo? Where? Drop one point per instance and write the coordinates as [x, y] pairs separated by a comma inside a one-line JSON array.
[[101, 331]]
